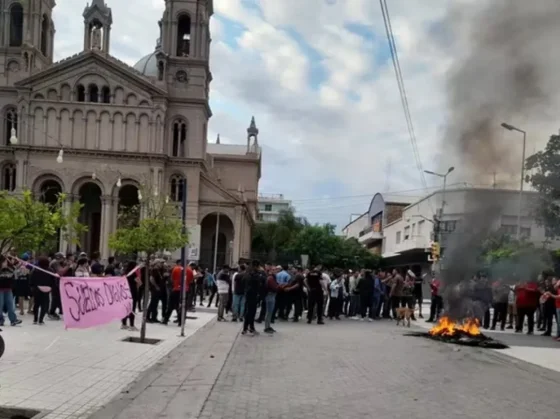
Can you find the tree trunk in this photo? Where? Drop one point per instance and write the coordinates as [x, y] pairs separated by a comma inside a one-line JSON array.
[[146, 282]]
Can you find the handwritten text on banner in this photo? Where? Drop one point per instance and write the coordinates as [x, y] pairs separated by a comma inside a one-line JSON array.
[[90, 302]]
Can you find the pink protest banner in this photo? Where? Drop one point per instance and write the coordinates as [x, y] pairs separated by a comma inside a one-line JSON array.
[[90, 302]]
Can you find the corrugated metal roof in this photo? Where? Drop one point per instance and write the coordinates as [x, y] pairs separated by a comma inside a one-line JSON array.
[[400, 199]]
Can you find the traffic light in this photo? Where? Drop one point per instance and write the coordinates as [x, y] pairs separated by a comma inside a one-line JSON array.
[[436, 249]]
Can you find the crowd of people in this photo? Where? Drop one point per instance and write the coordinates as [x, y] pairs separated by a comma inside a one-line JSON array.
[[284, 293], [254, 293], [535, 302]]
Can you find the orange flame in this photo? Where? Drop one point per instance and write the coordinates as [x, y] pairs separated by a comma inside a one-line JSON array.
[[448, 327]]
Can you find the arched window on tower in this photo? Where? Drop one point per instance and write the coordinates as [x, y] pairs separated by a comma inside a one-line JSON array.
[[81, 93], [179, 139], [93, 93], [9, 177], [106, 94], [161, 69], [11, 119], [176, 188], [16, 25], [183, 36], [45, 36]]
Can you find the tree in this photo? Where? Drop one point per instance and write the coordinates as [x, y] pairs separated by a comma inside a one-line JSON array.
[[512, 259], [291, 236], [160, 228], [545, 178], [274, 241], [27, 224]]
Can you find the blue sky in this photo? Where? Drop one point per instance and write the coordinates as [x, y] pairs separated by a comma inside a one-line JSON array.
[[318, 77]]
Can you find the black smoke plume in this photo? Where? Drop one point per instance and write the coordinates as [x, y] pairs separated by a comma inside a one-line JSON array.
[[507, 71]]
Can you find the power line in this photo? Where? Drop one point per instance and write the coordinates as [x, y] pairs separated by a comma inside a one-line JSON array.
[[402, 89], [399, 192]]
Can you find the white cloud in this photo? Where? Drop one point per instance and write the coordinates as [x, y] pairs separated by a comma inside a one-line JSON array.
[[312, 134]]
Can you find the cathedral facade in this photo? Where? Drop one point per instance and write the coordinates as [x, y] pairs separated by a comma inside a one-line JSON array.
[[104, 132]]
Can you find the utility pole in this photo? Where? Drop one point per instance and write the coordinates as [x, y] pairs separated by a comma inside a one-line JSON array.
[[494, 180], [436, 246]]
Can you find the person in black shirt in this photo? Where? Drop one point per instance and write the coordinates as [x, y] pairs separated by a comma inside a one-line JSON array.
[[200, 279], [97, 268], [254, 279], [42, 284], [418, 294], [158, 290], [110, 268], [315, 297], [295, 293], [238, 308], [6, 294]]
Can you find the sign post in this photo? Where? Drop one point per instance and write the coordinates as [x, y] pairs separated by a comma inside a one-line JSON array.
[[183, 315]]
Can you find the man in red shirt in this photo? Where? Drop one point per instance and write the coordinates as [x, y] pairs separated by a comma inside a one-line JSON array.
[[437, 302], [175, 298], [526, 300]]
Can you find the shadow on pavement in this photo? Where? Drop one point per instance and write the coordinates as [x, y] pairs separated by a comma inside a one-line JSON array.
[[519, 339]]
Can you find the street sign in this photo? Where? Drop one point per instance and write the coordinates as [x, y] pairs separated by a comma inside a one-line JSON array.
[[193, 248]]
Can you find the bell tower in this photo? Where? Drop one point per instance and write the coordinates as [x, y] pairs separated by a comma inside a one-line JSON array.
[[184, 61], [98, 19], [26, 36]]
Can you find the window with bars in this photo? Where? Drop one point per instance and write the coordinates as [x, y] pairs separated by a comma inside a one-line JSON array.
[[179, 139], [11, 122], [176, 188], [9, 177]]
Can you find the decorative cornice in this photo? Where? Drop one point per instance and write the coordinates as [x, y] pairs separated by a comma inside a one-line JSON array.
[[108, 60], [220, 204], [123, 155]]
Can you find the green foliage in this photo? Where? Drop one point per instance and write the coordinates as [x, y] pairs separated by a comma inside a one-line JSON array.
[[160, 229], [27, 224], [294, 236], [507, 257], [545, 178]]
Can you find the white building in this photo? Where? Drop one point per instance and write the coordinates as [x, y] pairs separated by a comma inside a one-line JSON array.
[[355, 227], [383, 210], [270, 206], [407, 240]]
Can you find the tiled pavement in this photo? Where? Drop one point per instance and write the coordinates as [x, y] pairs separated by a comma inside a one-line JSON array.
[[346, 369], [72, 373]]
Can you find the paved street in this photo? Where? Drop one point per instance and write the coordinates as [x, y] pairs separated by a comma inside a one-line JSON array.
[[71, 373], [344, 369]]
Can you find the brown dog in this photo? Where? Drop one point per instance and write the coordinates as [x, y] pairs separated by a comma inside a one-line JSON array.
[[404, 315]]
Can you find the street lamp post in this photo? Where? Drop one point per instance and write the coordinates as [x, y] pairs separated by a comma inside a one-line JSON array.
[[444, 176], [512, 128]]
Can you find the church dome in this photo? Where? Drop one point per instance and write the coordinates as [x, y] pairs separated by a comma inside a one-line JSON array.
[[148, 65]]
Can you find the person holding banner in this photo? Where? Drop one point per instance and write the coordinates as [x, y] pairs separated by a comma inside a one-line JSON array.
[[42, 283], [133, 285], [6, 294]]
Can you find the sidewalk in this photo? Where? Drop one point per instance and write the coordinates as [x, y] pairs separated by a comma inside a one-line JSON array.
[[72, 373], [179, 385]]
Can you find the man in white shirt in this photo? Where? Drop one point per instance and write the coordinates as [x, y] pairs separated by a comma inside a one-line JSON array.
[[325, 284]]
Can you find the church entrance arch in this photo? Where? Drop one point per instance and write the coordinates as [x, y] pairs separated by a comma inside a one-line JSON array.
[[129, 206], [49, 191], [208, 229], [90, 215]]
